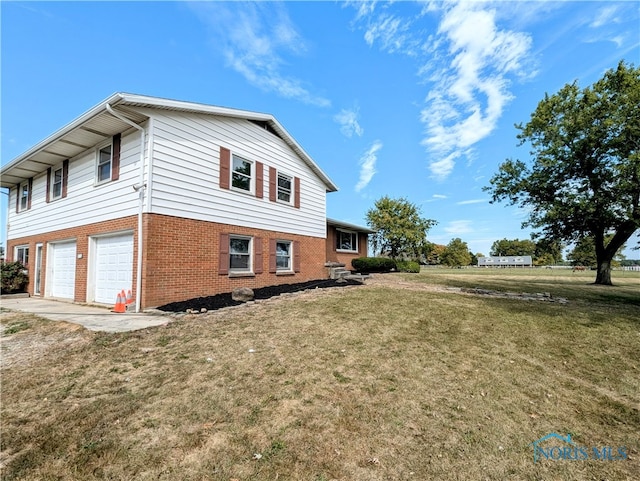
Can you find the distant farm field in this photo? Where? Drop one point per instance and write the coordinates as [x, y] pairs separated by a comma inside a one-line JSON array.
[[401, 379]]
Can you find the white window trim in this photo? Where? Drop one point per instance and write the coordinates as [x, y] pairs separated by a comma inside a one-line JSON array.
[[236, 271], [15, 253], [281, 270], [252, 176], [291, 190], [99, 147], [20, 197], [347, 232], [52, 195]]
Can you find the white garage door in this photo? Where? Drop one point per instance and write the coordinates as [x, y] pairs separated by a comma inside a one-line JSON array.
[[114, 267], [62, 270]]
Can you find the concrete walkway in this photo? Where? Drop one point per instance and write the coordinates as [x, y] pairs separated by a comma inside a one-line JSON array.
[[91, 317]]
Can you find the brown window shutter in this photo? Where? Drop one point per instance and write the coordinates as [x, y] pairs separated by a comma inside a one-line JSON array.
[[29, 195], [48, 185], [273, 184], [296, 195], [257, 255], [18, 198], [272, 256], [225, 167], [223, 267], [65, 177], [296, 256], [259, 179], [115, 157]]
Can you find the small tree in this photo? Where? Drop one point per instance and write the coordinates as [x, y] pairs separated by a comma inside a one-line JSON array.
[[400, 230], [456, 254]]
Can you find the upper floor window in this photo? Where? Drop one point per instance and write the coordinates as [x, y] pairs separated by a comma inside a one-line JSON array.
[[57, 181], [24, 196], [104, 163], [241, 173], [108, 160], [22, 255], [346, 241], [284, 188]]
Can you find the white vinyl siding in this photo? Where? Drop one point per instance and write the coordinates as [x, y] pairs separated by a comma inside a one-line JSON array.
[[186, 170], [85, 202]]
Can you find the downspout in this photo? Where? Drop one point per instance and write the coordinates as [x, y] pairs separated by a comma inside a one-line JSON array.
[[140, 188]]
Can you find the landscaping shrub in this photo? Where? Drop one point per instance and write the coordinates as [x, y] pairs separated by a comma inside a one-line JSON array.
[[408, 266], [14, 277], [373, 264]]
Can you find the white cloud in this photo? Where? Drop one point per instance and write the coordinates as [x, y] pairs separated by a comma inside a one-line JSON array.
[[348, 120], [368, 165], [458, 227], [606, 15], [257, 43], [439, 196], [469, 62], [472, 201], [470, 91]]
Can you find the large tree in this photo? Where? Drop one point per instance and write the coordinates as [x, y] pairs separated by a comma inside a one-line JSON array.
[[456, 254], [584, 175], [400, 229]]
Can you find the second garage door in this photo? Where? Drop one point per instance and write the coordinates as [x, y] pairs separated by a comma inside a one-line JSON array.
[[113, 268]]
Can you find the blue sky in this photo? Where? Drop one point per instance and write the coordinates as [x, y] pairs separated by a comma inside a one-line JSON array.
[[406, 99]]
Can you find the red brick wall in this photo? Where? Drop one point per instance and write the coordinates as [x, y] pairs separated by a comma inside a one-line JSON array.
[[180, 257], [181, 260], [81, 236]]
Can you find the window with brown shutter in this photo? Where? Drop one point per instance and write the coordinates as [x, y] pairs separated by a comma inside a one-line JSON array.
[[272, 256], [257, 255], [65, 177], [296, 256], [225, 161], [259, 179], [273, 186], [115, 157], [296, 195], [223, 265]]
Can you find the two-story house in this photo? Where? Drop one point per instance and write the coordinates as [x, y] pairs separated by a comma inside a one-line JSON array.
[[172, 200]]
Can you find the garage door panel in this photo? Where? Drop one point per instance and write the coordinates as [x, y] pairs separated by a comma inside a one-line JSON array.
[[113, 267], [63, 270]]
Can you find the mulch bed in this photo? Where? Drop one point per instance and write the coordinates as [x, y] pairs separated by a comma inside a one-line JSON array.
[[211, 303]]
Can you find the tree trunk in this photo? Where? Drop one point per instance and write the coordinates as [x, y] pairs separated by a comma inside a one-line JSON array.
[[603, 277]]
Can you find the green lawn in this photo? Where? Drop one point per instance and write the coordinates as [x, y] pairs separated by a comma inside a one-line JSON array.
[[365, 383]]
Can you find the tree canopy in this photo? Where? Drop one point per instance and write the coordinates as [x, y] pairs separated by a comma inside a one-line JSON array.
[[515, 247], [456, 254], [400, 229], [584, 174]]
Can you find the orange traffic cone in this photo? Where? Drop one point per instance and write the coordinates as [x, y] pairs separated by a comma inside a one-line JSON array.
[[129, 298], [120, 307]]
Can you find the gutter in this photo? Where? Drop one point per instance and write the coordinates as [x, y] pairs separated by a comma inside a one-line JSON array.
[[140, 188]]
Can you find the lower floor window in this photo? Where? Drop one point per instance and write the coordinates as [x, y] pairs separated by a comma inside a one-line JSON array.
[[346, 241], [240, 254], [22, 255], [283, 255]]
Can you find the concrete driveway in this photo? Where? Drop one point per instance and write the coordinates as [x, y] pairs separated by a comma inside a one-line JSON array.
[[91, 317]]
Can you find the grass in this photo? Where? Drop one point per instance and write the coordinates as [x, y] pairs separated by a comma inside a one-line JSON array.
[[366, 383]]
